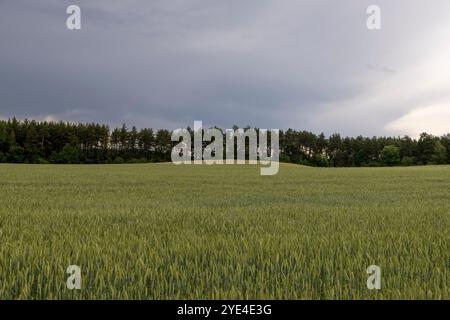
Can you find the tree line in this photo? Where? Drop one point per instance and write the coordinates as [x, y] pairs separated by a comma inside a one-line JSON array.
[[42, 142]]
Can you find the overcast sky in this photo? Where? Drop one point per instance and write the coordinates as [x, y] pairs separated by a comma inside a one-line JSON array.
[[305, 64]]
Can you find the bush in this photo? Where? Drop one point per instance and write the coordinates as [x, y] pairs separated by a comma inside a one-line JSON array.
[[390, 155], [408, 161], [118, 160], [15, 154], [373, 164], [321, 161], [285, 158], [69, 154], [134, 160], [40, 160]]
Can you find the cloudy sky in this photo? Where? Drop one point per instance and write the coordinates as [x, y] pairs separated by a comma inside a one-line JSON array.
[[305, 64]]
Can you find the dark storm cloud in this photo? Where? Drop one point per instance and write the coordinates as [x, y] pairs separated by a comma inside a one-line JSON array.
[[274, 64]]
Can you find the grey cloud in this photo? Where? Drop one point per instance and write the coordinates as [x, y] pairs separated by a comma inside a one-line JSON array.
[[267, 63]]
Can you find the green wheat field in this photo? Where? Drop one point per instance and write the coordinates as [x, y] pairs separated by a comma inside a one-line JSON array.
[[160, 231]]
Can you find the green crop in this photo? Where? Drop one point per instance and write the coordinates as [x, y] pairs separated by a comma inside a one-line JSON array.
[[160, 231]]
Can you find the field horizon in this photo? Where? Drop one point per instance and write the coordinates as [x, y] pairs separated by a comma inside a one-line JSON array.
[[160, 231]]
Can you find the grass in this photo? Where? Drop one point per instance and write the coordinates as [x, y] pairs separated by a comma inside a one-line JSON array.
[[161, 231]]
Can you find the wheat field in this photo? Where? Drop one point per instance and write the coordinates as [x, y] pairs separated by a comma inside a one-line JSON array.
[[160, 231]]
